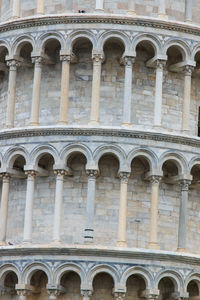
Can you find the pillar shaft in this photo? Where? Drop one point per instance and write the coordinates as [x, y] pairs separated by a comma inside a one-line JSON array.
[[158, 93], [4, 207], [12, 64], [34, 121], [188, 11], [40, 7], [22, 294], [89, 230], [128, 61], [161, 9], [16, 9], [186, 99], [0, 9], [29, 206], [99, 5], [96, 81], [183, 215], [63, 119], [131, 7], [53, 294], [58, 205], [153, 240], [121, 240]]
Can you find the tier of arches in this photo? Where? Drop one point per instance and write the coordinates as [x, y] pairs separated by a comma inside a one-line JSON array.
[[37, 281]]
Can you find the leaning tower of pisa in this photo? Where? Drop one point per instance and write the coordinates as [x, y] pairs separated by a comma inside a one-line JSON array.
[[99, 150]]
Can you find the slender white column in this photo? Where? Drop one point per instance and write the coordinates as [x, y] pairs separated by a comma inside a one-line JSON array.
[[182, 230], [128, 62], [162, 9], [16, 9], [188, 10], [153, 240], [34, 121], [40, 7], [131, 7], [58, 205], [29, 206], [158, 93], [53, 294], [63, 119], [89, 229], [4, 207], [96, 81], [86, 294], [99, 6], [12, 64], [187, 98], [23, 294], [121, 240]]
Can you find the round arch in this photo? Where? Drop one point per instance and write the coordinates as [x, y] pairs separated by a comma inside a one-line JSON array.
[[12, 154], [150, 156], [7, 268], [20, 41], [44, 38], [174, 276], [38, 152], [178, 159], [32, 268], [77, 148], [69, 268], [117, 35], [153, 40], [145, 274], [75, 36], [103, 269], [181, 45]]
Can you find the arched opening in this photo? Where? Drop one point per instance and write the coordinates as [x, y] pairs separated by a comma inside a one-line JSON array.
[[80, 90], [195, 172], [170, 169], [193, 289], [166, 288], [3, 83], [107, 200], [144, 77], [71, 283], [8, 288], [135, 285], [75, 197], [103, 285], [175, 55], [39, 281], [139, 195], [24, 83], [112, 83], [51, 83]]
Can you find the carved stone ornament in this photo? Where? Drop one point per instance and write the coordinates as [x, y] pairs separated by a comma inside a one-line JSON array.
[[155, 179], [188, 70], [119, 296], [60, 172], [185, 184], [124, 176], [92, 174], [30, 173], [97, 57], [160, 64], [127, 61], [38, 60], [13, 64], [86, 293]]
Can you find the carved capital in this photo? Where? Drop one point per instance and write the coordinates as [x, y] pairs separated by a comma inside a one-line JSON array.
[[13, 64], [70, 58], [128, 61], [92, 174], [124, 176], [23, 293], [38, 60], [154, 179], [119, 296], [188, 70], [86, 293], [30, 173], [160, 64], [60, 172], [97, 57], [5, 176], [185, 183], [53, 294]]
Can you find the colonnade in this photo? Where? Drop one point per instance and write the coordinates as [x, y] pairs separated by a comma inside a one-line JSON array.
[[98, 58], [99, 8], [89, 234]]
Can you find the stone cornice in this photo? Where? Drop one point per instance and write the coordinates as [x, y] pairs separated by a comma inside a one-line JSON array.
[[107, 132], [129, 254], [36, 21]]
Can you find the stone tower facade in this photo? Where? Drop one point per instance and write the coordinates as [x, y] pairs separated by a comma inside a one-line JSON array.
[[99, 149]]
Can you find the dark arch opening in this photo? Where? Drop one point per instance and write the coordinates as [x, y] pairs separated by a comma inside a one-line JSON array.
[[135, 285], [113, 49], [108, 165], [19, 163], [39, 280], [145, 51], [52, 49], [25, 51], [193, 289], [170, 169], [103, 285], [72, 283], [166, 287], [46, 162], [175, 55]]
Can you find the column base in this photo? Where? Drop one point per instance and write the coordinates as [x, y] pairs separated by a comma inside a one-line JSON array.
[[93, 123], [131, 12], [62, 123], [163, 16], [9, 126], [26, 242], [186, 132], [3, 243], [181, 250], [56, 243], [153, 246], [99, 11], [127, 124], [33, 124], [121, 244]]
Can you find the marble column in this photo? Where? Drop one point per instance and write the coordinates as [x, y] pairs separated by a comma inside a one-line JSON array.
[[188, 10], [89, 229], [38, 61], [16, 9], [128, 62], [99, 6], [158, 92], [63, 118], [131, 7], [53, 294], [119, 295], [182, 230], [96, 81], [187, 98], [10, 112], [162, 9], [58, 205], [29, 206], [153, 240], [4, 207], [121, 239], [40, 7], [23, 294], [86, 294], [0, 9]]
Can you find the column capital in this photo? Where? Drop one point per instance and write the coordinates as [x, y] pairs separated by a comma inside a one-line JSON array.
[[61, 172], [160, 64], [124, 176], [119, 295], [38, 60], [187, 70], [24, 292], [155, 179], [70, 58], [92, 173], [5, 175], [30, 173], [127, 60], [13, 64], [98, 57], [53, 293], [150, 294], [86, 293], [185, 183]]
